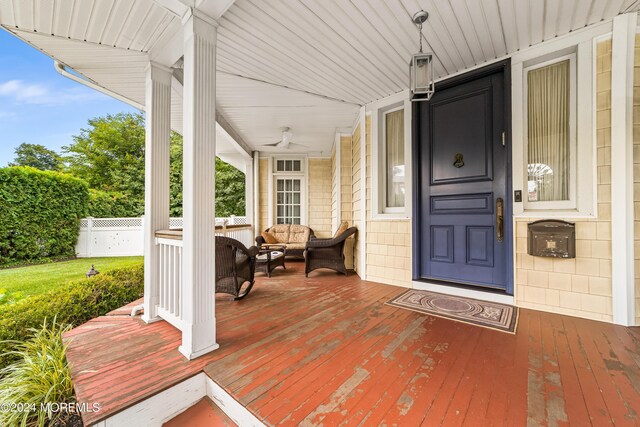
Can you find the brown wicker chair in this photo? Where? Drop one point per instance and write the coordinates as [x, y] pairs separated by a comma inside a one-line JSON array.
[[235, 266], [327, 253]]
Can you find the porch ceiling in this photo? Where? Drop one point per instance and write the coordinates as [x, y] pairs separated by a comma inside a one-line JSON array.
[[305, 64]]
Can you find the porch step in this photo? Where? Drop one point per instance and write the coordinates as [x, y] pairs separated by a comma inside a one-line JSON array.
[[205, 413]]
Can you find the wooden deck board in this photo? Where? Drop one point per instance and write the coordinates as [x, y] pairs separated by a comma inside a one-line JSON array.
[[327, 350], [205, 413]]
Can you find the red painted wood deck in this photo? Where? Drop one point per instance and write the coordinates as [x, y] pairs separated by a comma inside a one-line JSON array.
[[203, 414], [326, 350]]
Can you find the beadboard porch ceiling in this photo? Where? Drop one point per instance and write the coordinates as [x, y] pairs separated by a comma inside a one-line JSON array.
[[307, 64]]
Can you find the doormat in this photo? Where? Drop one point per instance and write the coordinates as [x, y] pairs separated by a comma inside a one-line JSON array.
[[500, 317]]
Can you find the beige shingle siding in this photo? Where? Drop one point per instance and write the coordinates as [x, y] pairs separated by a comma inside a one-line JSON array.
[[346, 193], [356, 189], [320, 196], [580, 286], [388, 250], [334, 190], [636, 172]]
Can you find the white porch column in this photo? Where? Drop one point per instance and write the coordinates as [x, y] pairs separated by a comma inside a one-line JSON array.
[[622, 234], [199, 132], [156, 182], [248, 192]]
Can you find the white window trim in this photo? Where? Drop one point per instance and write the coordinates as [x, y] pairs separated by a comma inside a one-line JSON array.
[[583, 43], [303, 196], [378, 109], [573, 179], [383, 162], [303, 164], [304, 186]]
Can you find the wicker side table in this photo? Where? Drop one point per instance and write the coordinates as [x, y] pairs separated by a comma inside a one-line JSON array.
[[268, 259]]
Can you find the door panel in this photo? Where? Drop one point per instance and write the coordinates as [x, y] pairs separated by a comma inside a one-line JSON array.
[[470, 204], [480, 246], [461, 172], [449, 138], [442, 243]]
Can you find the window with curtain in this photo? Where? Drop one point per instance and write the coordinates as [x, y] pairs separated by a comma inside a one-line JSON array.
[[549, 132], [394, 158]]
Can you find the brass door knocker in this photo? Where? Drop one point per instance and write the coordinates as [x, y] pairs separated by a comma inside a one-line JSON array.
[[458, 161]]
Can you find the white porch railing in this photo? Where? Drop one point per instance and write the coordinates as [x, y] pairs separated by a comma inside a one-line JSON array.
[[170, 266], [170, 280], [113, 237], [242, 233]]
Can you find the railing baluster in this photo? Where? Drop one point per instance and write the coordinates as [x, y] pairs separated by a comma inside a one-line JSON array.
[[170, 280], [178, 280], [170, 265], [161, 277]]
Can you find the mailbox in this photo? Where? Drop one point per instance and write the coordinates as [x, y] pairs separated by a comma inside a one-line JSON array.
[[552, 238]]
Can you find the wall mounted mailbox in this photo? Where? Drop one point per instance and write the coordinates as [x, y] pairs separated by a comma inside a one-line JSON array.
[[552, 238]]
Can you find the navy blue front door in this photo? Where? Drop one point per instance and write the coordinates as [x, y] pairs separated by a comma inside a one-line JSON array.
[[463, 209]]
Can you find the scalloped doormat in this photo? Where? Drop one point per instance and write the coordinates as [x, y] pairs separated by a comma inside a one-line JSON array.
[[501, 317]]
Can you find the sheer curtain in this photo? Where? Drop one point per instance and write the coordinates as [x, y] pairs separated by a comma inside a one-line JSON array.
[[548, 122], [394, 137]]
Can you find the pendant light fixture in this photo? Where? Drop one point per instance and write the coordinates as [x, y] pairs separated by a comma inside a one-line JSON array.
[[421, 67]]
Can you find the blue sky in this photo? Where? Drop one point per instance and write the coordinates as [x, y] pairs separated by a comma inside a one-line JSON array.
[[39, 106]]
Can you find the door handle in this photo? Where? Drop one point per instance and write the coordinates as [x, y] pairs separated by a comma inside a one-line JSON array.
[[499, 219]]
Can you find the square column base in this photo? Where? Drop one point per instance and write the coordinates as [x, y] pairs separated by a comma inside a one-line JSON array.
[[147, 319], [190, 356]]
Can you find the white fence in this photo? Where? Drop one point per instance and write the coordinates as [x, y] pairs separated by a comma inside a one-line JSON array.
[[114, 237]]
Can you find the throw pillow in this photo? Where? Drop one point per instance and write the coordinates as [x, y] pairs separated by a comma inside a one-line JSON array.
[[343, 227], [268, 237]]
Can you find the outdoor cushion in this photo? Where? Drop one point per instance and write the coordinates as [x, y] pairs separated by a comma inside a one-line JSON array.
[[343, 227], [268, 237], [281, 232], [299, 233], [296, 245], [275, 245], [292, 236]]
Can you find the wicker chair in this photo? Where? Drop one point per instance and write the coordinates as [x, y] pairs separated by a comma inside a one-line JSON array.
[[235, 266], [327, 253]]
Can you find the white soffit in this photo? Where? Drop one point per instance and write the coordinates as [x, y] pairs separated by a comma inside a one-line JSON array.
[[304, 64]]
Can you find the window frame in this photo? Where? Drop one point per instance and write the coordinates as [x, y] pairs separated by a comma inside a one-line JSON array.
[[301, 191], [274, 175], [583, 44], [378, 111], [384, 205], [572, 203]]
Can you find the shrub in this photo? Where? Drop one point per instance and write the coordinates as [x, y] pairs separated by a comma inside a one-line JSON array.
[[40, 214], [104, 204], [74, 303], [40, 375]]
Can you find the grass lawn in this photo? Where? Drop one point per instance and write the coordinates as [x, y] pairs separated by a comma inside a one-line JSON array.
[[17, 283]]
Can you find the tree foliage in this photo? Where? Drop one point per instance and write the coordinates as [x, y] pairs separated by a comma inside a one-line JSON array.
[[230, 190], [230, 185], [37, 156], [40, 214], [109, 155], [103, 204]]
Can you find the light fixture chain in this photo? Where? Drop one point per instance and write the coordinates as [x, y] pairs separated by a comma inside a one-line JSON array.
[[420, 30]]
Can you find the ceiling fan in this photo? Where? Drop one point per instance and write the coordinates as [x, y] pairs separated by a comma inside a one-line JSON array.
[[285, 142]]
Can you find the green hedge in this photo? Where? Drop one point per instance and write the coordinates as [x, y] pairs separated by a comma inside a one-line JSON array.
[[104, 204], [40, 214], [74, 303]]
